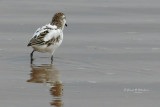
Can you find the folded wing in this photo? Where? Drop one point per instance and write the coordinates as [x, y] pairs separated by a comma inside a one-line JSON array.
[[45, 35]]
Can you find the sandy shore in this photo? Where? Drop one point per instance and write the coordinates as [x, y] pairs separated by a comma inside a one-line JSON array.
[[109, 57]]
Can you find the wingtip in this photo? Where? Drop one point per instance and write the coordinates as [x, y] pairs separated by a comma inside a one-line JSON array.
[[28, 45]]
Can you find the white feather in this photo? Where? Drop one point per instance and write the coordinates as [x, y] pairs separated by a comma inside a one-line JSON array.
[[53, 33], [43, 28], [52, 26]]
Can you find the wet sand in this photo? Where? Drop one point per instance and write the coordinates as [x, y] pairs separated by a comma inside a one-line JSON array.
[[109, 57]]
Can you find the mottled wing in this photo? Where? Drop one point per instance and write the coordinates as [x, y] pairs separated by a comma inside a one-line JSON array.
[[38, 39], [45, 36]]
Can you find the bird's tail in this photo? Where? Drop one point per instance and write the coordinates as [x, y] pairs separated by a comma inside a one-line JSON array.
[[29, 44]]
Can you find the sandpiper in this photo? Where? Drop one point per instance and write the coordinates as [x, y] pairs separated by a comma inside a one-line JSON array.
[[48, 37]]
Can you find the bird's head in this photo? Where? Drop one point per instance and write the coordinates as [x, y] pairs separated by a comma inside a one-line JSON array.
[[59, 19]]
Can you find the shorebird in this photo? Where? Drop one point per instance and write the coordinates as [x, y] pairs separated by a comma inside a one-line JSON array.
[[48, 37]]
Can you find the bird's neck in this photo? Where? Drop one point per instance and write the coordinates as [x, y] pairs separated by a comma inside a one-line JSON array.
[[58, 24]]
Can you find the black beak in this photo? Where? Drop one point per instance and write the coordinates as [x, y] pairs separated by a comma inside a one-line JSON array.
[[66, 25]]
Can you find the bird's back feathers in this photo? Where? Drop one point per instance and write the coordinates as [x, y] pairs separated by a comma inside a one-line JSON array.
[[46, 35]]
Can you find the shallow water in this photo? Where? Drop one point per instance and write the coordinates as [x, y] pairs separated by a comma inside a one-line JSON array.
[[109, 56]]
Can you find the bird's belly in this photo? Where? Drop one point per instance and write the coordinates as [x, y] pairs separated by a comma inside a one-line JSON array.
[[45, 48]]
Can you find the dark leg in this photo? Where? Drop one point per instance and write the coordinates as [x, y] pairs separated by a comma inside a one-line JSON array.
[[31, 55], [52, 59]]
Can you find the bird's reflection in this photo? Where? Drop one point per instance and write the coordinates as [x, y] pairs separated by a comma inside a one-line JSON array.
[[48, 74]]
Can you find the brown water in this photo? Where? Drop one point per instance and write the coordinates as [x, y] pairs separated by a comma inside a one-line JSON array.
[[109, 57]]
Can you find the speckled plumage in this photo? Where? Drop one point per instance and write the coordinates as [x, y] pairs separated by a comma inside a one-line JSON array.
[[49, 37]]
